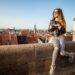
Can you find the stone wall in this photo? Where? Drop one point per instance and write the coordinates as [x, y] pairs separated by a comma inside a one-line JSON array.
[[33, 59]]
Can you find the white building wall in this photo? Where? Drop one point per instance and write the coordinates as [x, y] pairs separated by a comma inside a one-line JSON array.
[[74, 31]]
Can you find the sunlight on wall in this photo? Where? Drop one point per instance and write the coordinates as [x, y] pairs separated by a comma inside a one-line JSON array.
[[74, 31]]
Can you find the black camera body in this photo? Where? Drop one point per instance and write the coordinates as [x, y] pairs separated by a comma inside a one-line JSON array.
[[53, 26], [54, 29]]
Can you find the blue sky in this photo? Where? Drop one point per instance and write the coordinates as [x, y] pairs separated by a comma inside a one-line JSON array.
[[27, 13]]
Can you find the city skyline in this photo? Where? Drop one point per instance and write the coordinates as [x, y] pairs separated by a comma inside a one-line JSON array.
[[27, 13]]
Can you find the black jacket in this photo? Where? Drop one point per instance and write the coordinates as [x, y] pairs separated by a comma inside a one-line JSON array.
[[54, 30]]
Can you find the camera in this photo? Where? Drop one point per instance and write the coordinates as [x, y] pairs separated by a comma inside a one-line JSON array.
[[54, 26]]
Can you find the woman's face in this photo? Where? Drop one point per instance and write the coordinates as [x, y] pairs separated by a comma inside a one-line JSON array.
[[56, 14]]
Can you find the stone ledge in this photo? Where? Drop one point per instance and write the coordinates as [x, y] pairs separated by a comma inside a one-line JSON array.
[[33, 59]]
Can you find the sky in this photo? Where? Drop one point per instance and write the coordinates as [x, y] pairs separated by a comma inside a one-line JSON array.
[[23, 14]]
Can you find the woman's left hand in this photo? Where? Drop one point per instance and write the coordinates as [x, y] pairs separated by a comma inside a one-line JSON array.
[[59, 26]]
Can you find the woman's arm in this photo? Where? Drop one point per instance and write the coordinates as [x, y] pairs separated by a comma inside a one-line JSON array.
[[53, 26]]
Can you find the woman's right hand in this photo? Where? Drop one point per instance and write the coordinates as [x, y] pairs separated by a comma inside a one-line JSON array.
[[50, 27]]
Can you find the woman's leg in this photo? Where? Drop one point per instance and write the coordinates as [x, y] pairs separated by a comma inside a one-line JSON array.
[[62, 46], [55, 42], [39, 41], [62, 49]]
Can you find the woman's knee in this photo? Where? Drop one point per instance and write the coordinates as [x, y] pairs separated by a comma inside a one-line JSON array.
[[62, 53], [56, 47]]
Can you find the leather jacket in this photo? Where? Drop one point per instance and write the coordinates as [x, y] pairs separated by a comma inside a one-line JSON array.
[[54, 30]]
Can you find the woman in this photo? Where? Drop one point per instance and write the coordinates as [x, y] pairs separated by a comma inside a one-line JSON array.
[[57, 28]]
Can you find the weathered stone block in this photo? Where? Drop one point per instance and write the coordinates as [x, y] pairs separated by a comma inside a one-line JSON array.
[[43, 51], [33, 59]]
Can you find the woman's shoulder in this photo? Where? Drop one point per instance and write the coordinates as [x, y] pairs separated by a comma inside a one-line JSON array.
[[52, 22]]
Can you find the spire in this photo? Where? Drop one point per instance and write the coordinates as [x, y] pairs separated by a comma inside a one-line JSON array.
[[35, 29]]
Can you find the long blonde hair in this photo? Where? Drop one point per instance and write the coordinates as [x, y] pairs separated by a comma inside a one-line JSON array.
[[61, 17]]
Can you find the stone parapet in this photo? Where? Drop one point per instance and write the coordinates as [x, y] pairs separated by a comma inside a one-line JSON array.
[[33, 59]]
